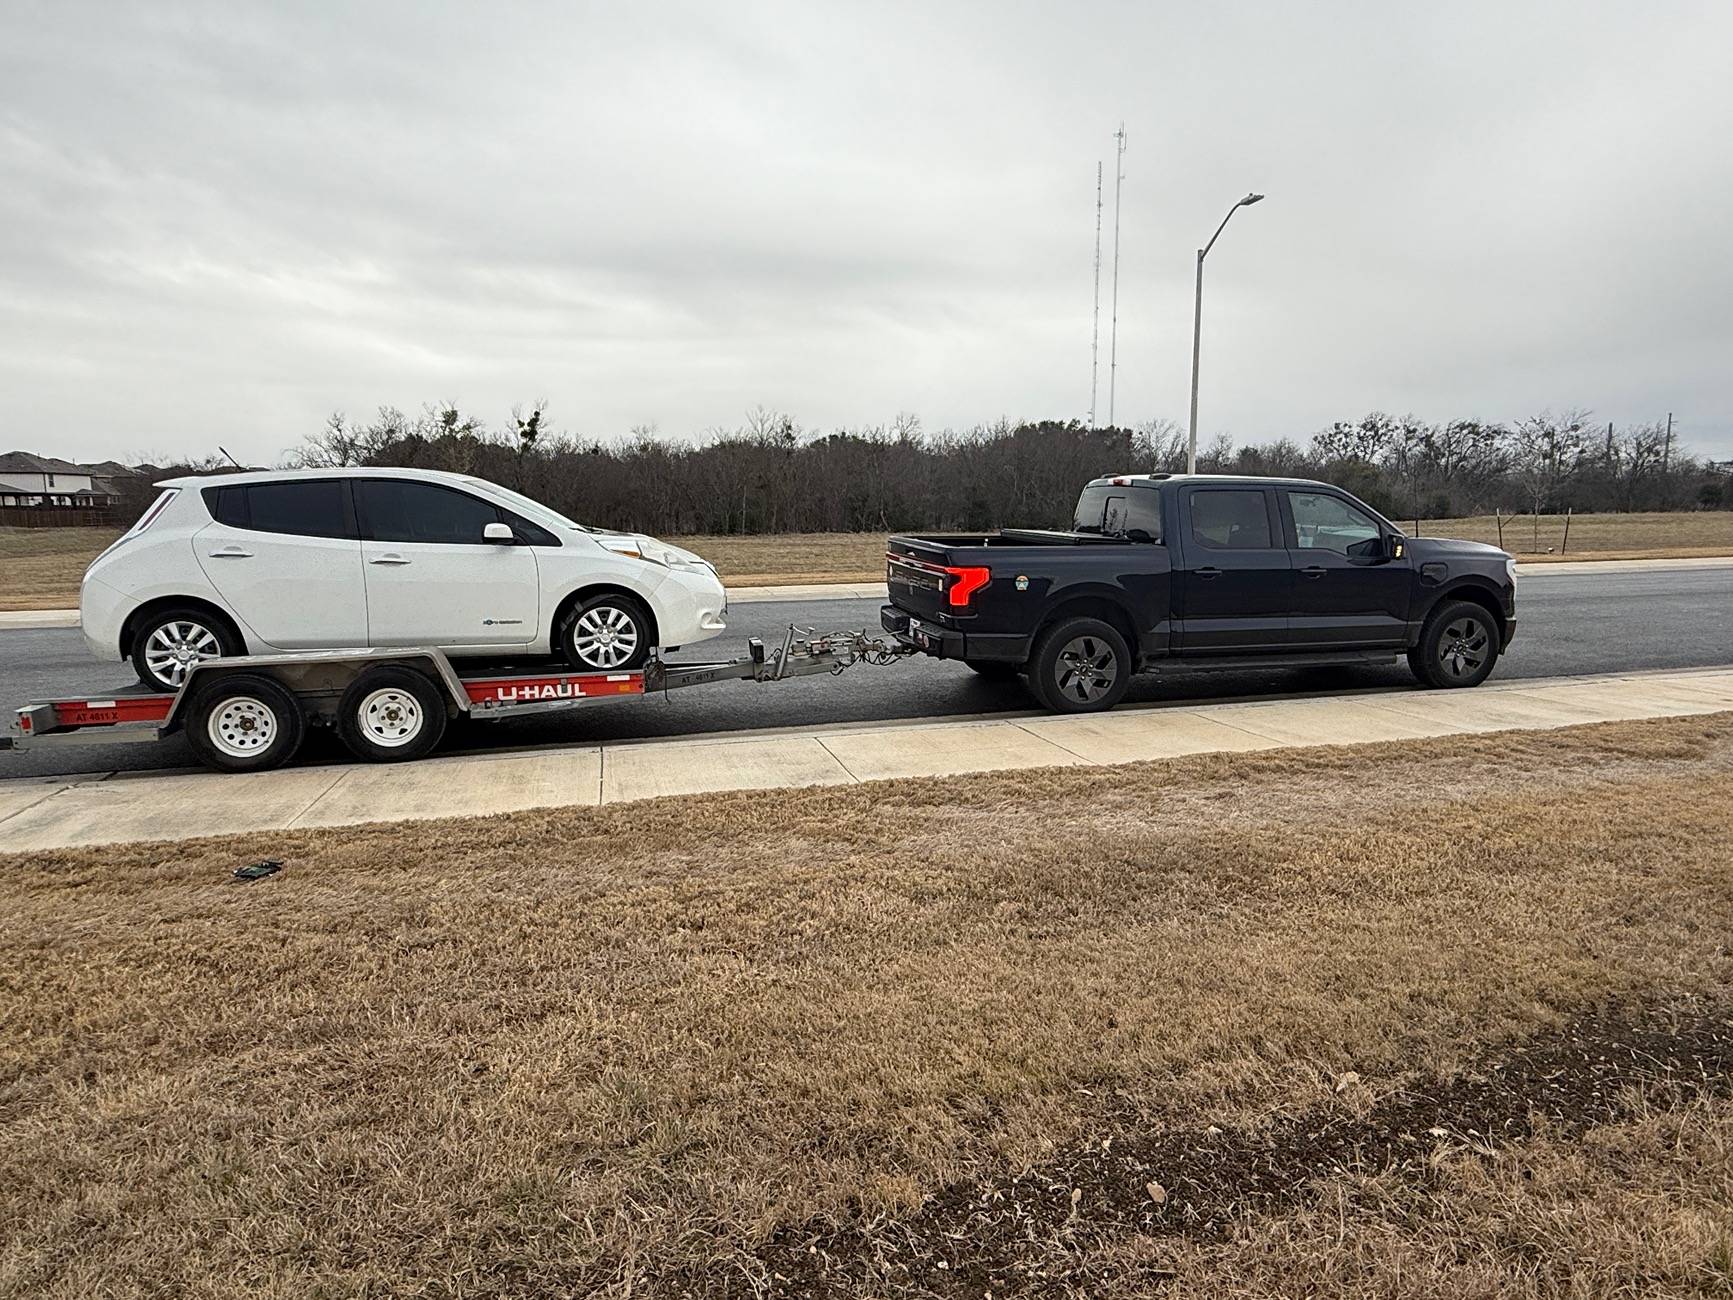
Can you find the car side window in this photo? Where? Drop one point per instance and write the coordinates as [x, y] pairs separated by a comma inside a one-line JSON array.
[[301, 508], [1230, 519], [399, 510], [1324, 522]]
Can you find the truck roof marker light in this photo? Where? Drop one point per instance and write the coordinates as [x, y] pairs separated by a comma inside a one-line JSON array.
[[966, 581]]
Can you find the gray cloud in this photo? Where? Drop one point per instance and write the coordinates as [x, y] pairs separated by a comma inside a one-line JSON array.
[[222, 221]]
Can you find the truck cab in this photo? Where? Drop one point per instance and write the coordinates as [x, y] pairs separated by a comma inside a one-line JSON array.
[[1162, 573]]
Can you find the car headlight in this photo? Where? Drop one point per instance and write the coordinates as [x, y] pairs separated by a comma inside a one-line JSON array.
[[1510, 567], [644, 548]]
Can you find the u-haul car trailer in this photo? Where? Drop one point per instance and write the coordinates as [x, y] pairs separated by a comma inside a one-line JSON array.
[[250, 713]]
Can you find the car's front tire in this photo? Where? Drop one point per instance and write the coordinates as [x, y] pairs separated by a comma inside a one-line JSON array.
[[1458, 646], [169, 642], [607, 633]]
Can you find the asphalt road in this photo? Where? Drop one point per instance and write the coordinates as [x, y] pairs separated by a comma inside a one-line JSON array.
[[1611, 621]]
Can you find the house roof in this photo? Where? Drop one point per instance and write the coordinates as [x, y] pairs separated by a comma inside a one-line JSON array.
[[110, 469], [25, 462]]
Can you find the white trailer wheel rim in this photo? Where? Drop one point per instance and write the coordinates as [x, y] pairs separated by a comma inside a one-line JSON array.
[[242, 726], [175, 647], [390, 717], [605, 636]]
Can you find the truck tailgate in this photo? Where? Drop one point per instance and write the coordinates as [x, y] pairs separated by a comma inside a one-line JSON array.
[[922, 573]]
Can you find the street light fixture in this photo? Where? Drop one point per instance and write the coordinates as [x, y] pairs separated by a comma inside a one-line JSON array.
[[1197, 325]]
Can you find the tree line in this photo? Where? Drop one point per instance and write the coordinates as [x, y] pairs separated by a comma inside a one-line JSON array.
[[772, 476]]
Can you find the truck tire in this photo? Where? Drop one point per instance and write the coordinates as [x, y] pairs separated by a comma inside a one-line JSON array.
[[1458, 646], [244, 722], [169, 642], [606, 634], [1081, 665], [994, 670], [391, 715]]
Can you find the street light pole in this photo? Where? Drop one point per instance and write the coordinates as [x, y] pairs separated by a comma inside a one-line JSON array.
[[1197, 326]]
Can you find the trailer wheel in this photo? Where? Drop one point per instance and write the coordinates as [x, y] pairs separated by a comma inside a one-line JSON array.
[[391, 715], [243, 722]]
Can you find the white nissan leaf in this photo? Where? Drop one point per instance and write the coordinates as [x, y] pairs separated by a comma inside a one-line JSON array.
[[342, 559]]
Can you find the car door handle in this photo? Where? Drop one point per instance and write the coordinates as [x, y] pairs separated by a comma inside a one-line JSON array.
[[231, 553], [1209, 572], [1313, 571], [387, 559]]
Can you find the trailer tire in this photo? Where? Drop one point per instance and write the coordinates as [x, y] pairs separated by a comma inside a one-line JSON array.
[[391, 715], [244, 722], [1080, 665]]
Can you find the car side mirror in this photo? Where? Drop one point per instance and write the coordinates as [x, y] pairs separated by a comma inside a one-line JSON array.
[[501, 533]]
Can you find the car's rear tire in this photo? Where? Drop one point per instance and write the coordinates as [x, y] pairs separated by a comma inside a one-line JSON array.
[[244, 722], [1081, 665], [607, 633], [169, 642], [1458, 646], [391, 715], [994, 670]]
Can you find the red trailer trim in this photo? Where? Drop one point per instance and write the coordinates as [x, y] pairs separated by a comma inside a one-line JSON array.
[[104, 713], [564, 686]]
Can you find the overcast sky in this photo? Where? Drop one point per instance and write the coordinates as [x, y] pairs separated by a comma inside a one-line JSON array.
[[221, 222]]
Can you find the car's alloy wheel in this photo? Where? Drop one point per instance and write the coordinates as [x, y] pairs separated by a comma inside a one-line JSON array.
[[172, 648], [605, 636]]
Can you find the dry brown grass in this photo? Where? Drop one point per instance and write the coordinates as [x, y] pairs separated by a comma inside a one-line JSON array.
[[43, 565], [581, 1051], [40, 568]]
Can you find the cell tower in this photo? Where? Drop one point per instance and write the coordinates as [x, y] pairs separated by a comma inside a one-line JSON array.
[[1113, 334], [1095, 328]]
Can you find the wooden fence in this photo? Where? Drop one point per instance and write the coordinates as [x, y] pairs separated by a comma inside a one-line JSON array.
[[58, 517]]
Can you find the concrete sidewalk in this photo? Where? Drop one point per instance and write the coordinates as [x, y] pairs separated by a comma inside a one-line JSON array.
[[63, 812]]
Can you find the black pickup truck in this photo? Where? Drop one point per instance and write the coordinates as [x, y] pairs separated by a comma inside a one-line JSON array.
[[1163, 572]]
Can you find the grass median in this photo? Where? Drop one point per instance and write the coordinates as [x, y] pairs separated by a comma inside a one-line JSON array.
[[1335, 1020], [43, 565]]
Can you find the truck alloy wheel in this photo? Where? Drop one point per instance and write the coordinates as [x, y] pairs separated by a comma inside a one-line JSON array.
[[1458, 646], [1080, 666]]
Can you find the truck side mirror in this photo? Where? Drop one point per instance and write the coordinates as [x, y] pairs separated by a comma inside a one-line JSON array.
[[1395, 545]]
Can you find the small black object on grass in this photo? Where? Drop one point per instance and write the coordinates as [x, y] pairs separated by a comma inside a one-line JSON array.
[[258, 870]]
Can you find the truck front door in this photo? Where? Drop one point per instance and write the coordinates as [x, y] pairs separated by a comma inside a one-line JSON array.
[[1236, 585], [1349, 591]]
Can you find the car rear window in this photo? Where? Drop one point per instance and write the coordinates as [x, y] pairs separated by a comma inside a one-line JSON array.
[[1231, 519], [1118, 510]]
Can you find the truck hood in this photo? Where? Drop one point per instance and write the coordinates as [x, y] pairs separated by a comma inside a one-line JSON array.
[[1446, 547]]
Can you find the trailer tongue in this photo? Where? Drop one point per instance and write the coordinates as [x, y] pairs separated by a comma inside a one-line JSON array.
[[250, 713]]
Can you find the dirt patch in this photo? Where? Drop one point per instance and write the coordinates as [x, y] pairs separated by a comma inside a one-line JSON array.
[[1022, 1233]]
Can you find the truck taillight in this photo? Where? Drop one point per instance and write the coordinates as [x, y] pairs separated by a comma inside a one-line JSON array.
[[966, 580]]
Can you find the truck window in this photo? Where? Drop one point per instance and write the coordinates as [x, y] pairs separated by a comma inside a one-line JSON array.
[[1328, 523], [1230, 519], [1115, 510]]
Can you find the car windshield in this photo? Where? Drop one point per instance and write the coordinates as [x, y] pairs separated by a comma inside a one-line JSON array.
[[531, 507]]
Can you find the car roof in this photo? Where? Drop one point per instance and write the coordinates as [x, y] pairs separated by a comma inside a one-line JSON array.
[[240, 477], [1151, 480]]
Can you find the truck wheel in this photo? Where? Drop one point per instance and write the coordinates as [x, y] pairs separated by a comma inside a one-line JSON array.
[[994, 670], [391, 715], [168, 643], [606, 633], [1080, 666], [1458, 646], [243, 722]]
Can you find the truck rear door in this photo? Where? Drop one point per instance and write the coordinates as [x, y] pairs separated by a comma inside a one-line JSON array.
[[1234, 590], [923, 580]]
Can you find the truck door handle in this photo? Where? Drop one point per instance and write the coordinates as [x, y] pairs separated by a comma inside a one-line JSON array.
[[387, 559], [231, 553], [1208, 572], [1313, 571]]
